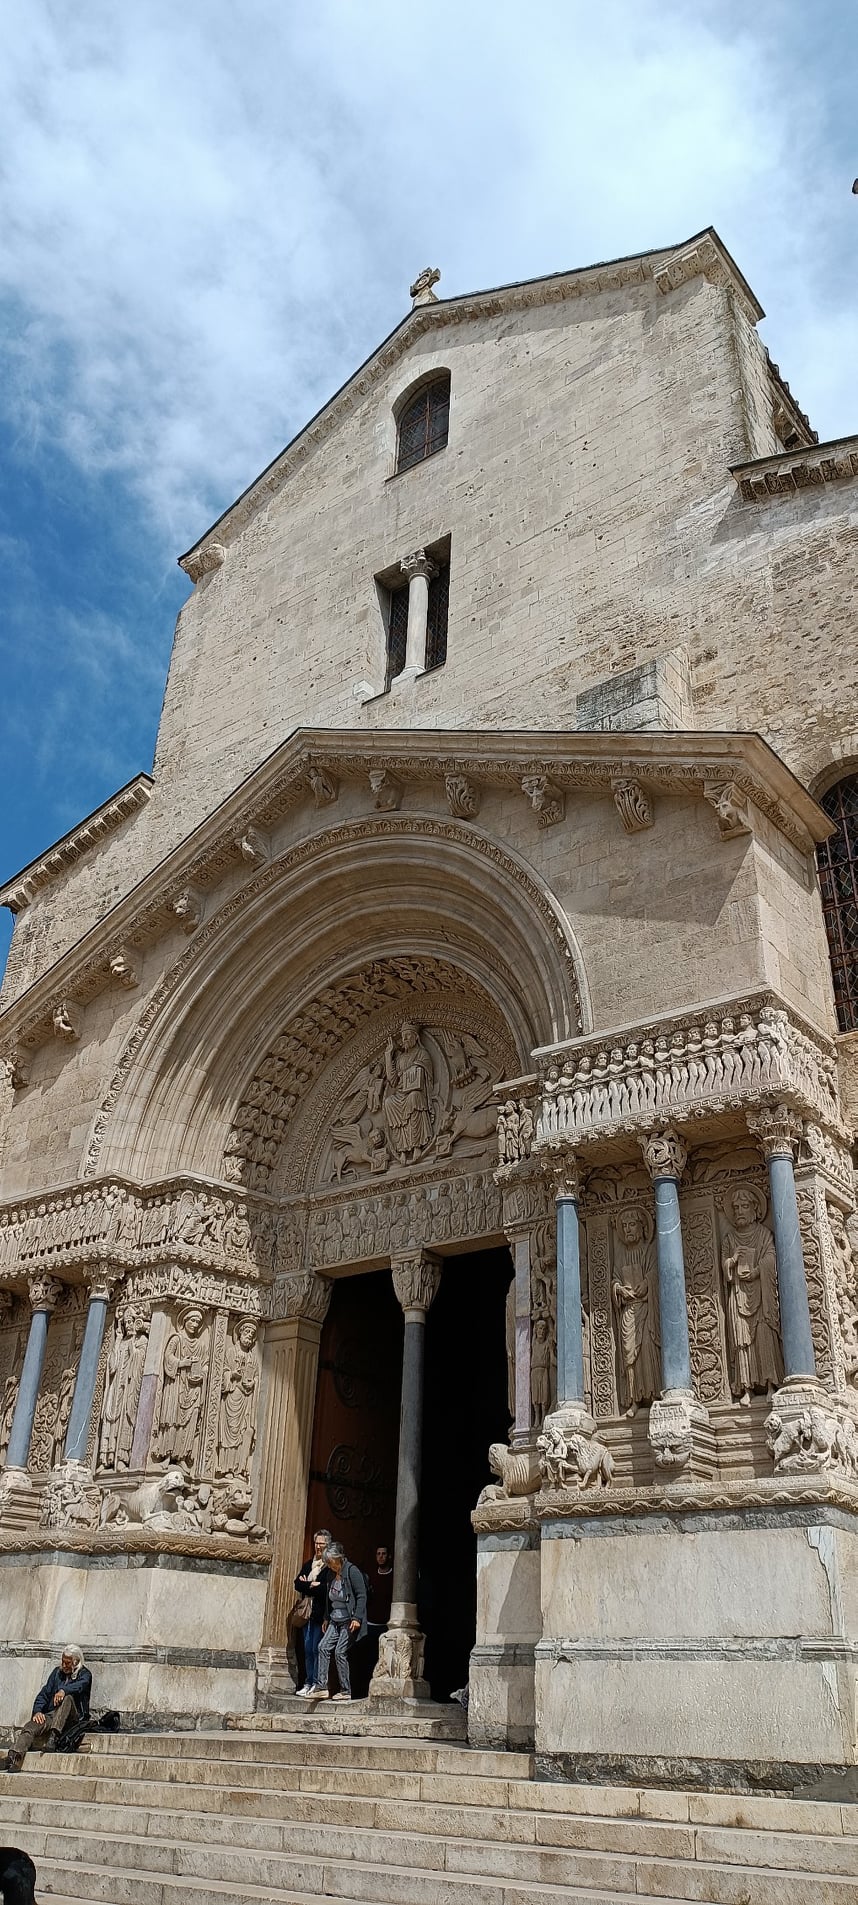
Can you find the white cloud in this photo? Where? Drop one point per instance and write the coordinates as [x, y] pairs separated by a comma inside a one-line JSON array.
[[212, 212]]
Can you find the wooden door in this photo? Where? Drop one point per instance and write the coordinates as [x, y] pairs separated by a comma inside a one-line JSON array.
[[356, 1423]]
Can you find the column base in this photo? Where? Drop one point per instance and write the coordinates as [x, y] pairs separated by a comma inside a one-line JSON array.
[[809, 1430], [401, 1651], [680, 1435]]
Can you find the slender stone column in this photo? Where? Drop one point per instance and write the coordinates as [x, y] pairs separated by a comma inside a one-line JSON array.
[[665, 1157], [570, 1325], [44, 1294], [77, 1433], [400, 1664], [778, 1129], [677, 1429], [290, 1364], [419, 569]]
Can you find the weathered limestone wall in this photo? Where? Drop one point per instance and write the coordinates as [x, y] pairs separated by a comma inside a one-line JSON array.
[[594, 526]]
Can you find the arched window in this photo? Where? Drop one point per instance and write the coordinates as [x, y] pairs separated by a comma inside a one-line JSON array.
[[424, 423], [837, 859]]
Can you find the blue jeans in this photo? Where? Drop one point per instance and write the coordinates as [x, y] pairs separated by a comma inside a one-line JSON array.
[[312, 1637], [335, 1640]]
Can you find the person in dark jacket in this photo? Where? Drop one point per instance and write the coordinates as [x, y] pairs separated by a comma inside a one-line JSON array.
[[17, 1876], [345, 1621], [63, 1699], [313, 1581]]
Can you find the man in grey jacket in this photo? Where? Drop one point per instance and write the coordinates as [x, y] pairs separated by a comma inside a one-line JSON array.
[[62, 1700], [345, 1621]]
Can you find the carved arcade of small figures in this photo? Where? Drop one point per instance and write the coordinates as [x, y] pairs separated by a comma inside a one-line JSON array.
[[186, 1361], [634, 1293], [237, 1418], [122, 1386], [751, 1295]]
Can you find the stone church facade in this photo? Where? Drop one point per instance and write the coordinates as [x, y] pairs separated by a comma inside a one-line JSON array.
[[428, 1099]]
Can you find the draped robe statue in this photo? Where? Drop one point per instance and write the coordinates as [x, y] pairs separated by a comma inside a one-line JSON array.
[[237, 1422], [122, 1388], [408, 1098], [751, 1288], [182, 1391], [635, 1297]]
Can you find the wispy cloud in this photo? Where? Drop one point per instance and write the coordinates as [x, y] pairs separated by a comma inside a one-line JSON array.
[[212, 213]]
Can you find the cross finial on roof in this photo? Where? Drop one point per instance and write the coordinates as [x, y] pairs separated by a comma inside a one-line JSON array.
[[421, 290]]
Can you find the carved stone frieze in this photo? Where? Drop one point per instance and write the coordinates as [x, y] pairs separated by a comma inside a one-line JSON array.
[[366, 1227], [705, 1316], [516, 1126], [518, 1473], [116, 1227], [302, 1294], [123, 1376], [204, 561], [757, 1057], [70, 1499], [806, 1434], [820, 1275]]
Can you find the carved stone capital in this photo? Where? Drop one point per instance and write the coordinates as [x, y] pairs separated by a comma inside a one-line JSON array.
[[44, 1293], [416, 1278], [546, 798], [563, 1171], [664, 1153], [65, 1019], [729, 806], [418, 563], [777, 1128], [463, 798], [386, 792], [633, 805], [101, 1283], [302, 1294]]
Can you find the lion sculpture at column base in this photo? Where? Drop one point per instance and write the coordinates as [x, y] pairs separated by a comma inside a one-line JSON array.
[[517, 1471]]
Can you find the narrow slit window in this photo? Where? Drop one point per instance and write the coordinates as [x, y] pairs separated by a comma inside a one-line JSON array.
[[424, 424], [397, 631], [436, 620]]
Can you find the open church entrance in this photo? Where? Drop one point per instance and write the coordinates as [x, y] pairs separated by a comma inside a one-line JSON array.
[[356, 1433]]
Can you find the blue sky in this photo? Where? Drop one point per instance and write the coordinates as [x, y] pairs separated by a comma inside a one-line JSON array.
[[212, 213]]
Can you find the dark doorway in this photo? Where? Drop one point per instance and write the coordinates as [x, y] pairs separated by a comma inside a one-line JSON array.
[[356, 1422], [465, 1409]]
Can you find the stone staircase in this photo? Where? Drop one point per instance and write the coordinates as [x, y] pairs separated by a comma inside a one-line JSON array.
[[294, 1817]]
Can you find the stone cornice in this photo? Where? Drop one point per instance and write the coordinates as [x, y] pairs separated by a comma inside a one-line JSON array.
[[809, 467], [790, 419], [135, 1540], [679, 1498], [734, 773], [704, 256], [19, 891]]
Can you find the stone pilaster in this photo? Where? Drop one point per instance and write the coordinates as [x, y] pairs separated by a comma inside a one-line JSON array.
[[290, 1364]]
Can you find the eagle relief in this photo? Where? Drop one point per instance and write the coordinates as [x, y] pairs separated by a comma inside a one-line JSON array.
[[426, 1097]]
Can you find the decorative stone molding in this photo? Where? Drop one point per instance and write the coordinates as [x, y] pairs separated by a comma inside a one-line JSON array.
[[19, 892], [546, 798], [778, 1130], [70, 1499], [580, 763], [633, 805], [809, 467], [664, 1153], [463, 798], [730, 807], [689, 1066], [123, 970], [203, 561], [254, 847], [706, 257], [416, 1278], [386, 792], [429, 1209], [65, 1019]]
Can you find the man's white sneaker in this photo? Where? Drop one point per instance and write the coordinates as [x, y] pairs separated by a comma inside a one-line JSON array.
[[304, 1692], [342, 1696], [318, 1693]]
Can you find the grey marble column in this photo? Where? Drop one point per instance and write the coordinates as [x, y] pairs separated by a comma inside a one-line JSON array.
[[419, 569], [778, 1129], [44, 1294], [400, 1664], [570, 1326], [77, 1434], [665, 1157]]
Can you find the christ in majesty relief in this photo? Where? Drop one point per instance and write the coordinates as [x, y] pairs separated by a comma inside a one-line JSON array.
[[408, 1099]]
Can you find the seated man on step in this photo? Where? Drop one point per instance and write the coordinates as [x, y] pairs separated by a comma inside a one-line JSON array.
[[63, 1700], [345, 1621]]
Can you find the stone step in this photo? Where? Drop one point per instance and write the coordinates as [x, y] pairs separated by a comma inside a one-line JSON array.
[[457, 1872], [98, 1887], [358, 1830], [300, 1744], [427, 1719]]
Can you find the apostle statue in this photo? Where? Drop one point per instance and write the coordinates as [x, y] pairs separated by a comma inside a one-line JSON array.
[[186, 1359], [7, 1411], [635, 1297], [751, 1290], [237, 1422], [408, 1098], [65, 1397], [122, 1387]]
